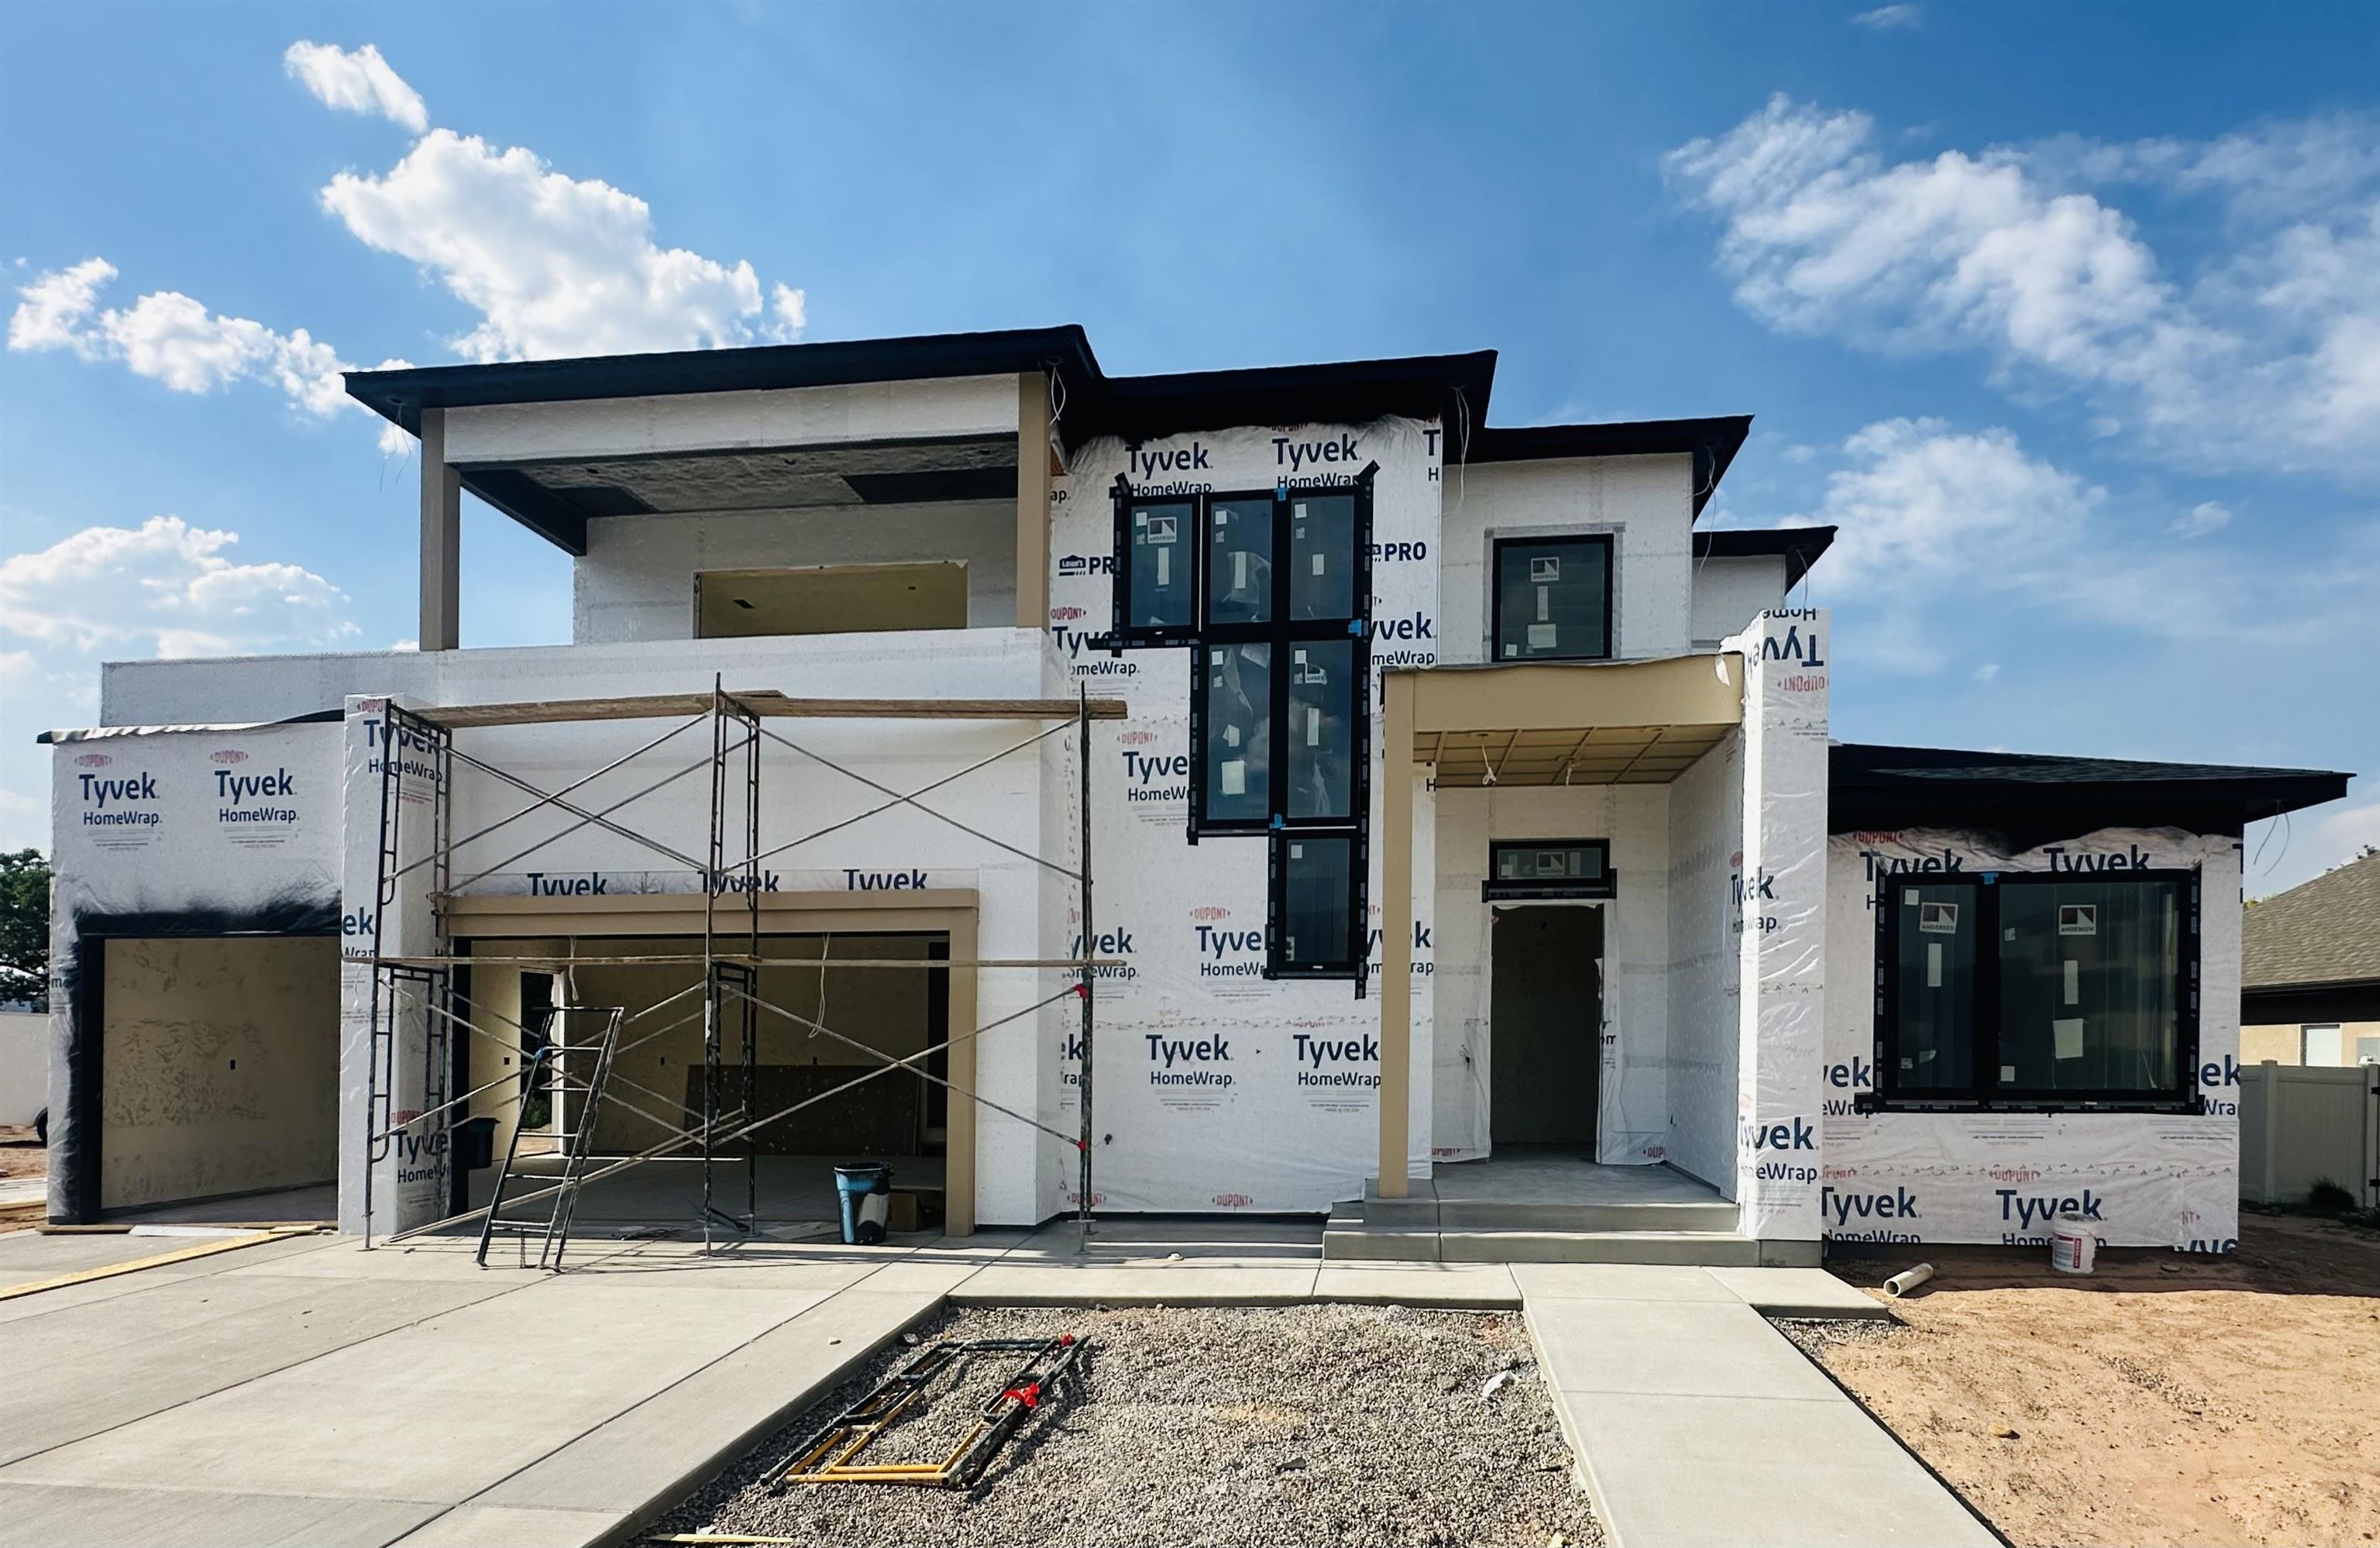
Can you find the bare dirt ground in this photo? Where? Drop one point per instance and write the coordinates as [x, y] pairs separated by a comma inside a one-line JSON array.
[[2165, 1399], [21, 1156], [1250, 1426]]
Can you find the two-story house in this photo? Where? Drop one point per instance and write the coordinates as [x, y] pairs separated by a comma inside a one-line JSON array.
[[1467, 856]]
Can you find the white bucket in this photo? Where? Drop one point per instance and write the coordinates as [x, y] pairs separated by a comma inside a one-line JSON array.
[[2072, 1248]]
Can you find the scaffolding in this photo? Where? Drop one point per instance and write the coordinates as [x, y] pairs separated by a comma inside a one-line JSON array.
[[419, 746]]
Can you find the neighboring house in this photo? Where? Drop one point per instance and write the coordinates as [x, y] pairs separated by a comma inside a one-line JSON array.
[[2309, 970], [1456, 811]]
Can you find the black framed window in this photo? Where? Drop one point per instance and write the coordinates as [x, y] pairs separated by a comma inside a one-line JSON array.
[[1277, 614], [1549, 867], [2037, 989], [1552, 598], [1232, 745], [1156, 570], [1317, 905]]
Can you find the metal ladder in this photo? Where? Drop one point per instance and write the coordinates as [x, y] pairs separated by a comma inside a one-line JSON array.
[[553, 1230]]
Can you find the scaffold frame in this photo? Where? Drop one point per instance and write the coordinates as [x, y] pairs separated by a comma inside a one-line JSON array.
[[425, 983]]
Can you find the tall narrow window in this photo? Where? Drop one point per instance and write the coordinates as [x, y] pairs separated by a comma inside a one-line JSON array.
[[1235, 751], [1159, 586], [1553, 598]]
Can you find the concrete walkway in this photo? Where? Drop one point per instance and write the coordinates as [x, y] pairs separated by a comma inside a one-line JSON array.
[[1695, 1422], [306, 1391]]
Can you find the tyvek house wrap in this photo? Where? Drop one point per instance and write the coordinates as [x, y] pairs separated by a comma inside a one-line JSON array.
[[1214, 1088], [187, 830], [408, 1173], [2142, 1179], [1781, 888]]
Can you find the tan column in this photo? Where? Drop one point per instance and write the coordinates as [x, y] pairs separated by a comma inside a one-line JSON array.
[[958, 1146], [442, 539], [1032, 500], [1396, 929]]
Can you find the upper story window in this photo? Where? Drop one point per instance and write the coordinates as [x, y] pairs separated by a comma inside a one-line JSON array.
[[1272, 590], [1552, 599], [2017, 989], [1156, 571]]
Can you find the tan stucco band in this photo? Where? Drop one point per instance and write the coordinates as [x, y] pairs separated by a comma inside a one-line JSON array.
[[947, 910], [1603, 722]]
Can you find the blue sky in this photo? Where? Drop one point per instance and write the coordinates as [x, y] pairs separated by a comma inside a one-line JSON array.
[[2065, 314]]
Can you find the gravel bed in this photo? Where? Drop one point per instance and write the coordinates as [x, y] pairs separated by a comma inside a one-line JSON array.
[[1816, 1335], [1239, 1425]]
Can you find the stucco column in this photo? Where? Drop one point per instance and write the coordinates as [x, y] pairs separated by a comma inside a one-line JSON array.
[[1032, 500], [442, 537], [1396, 927]]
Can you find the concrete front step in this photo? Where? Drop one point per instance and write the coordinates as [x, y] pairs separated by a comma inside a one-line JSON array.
[[1348, 1241]]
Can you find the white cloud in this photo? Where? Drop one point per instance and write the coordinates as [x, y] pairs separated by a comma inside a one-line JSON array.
[[554, 265], [357, 82], [55, 307], [171, 338], [1918, 504], [1936, 523], [2270, 357], [2209, 516], [1988, 671], [1889, 19], [163, 588]]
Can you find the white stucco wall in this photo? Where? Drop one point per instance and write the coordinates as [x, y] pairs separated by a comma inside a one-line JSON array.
[[1705, 850], [1647, 502], [1730, 592], [720, 421], [636, 580]]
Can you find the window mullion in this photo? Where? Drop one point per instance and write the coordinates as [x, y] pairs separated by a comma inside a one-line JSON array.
[[1987, 991]]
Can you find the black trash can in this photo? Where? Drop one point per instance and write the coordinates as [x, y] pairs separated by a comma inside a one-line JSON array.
[[475, 1143], [865, 1191]]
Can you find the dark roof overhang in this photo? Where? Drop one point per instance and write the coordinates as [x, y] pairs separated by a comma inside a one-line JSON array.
[[1713, 442], [400, 395], [1798, 546], [2035, 798]]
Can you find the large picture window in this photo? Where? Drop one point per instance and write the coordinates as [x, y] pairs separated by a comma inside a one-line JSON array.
[[1272, 590], [1553, 598], [2032, 989]]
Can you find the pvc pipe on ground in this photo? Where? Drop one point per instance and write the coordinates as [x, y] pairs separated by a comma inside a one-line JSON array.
[[1907, 1280]]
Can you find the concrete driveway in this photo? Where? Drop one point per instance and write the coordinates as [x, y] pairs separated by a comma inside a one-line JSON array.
[[306, 1391]]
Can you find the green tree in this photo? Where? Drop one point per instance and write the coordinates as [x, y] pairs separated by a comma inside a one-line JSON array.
[[25, 928]]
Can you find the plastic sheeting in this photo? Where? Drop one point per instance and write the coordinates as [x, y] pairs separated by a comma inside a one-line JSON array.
[[2143, 1179], [1214, 1088], [1780, 890], [196, 831]]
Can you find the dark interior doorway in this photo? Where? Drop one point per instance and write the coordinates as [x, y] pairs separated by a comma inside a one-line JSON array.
[[1545, 1025]]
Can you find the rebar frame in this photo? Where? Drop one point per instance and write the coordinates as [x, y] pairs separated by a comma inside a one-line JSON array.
[[729, 963]]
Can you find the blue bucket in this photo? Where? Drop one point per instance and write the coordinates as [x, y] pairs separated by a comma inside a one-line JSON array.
[[865, 1191]]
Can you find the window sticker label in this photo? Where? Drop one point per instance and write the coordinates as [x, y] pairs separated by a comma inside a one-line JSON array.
[[1937, 919], [2066, 1034], [1235, 772], [2073, 982], [2078, 919], [1541, 637], [1545, 569], [1933, 964], [1161, 528]]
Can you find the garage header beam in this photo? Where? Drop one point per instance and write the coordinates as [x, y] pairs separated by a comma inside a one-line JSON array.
[[767, 704]]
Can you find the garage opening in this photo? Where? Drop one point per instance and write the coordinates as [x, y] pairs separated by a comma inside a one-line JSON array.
[[655, 1088], [219, 1076], [1546, 1025]]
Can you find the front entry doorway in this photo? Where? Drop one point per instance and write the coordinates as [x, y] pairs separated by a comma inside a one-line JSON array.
[[1545, 1025]]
